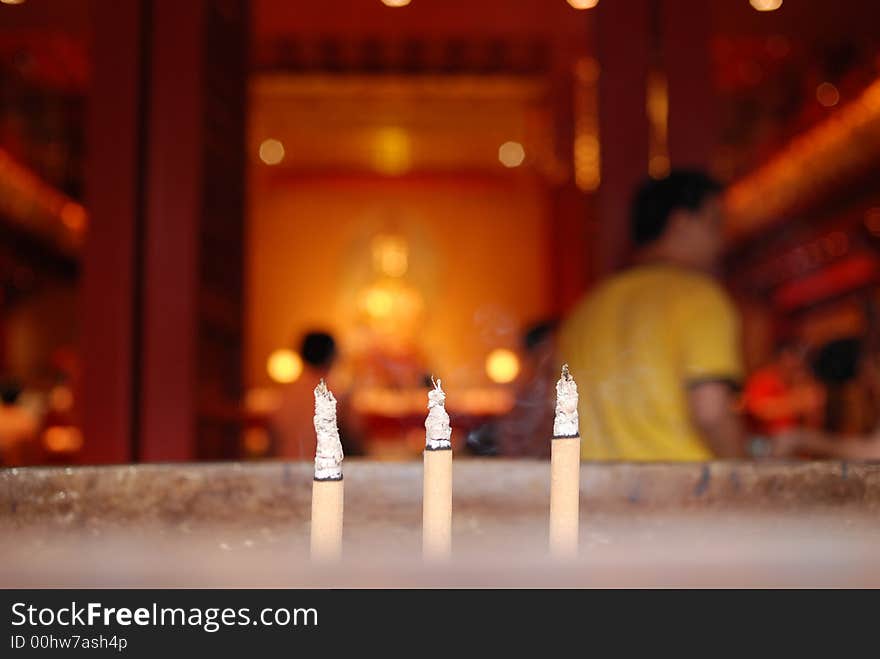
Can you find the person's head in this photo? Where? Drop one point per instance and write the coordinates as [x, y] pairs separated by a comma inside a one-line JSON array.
[[538, 341], [9, 392], [538, 335], [318, 350], [679, 217], [839, 361]]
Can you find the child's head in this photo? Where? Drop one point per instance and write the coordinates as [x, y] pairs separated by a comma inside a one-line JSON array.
[[10, 390]]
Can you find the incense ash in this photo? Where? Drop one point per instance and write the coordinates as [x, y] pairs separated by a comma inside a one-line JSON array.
[[565, 424], [328, 456]]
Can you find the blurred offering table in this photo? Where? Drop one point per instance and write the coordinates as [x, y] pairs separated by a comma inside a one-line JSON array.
[[231, 524]]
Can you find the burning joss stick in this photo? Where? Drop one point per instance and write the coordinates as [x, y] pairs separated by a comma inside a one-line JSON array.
[[437, 496], [327, 494], [565, 456]]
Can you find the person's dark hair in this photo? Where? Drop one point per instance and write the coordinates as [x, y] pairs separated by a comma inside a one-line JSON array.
[[9, 392], [656, 200], [538, 333], [837, 362], [318, 349]]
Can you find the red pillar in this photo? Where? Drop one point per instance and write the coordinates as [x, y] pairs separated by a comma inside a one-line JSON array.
[[569, 250], [107, 344], [162, 290], [624, 41], [569, 254], [193, 303], [688, 63], [171, 239]]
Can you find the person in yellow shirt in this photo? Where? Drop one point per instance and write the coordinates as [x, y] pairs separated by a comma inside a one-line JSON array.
[[655, 349]]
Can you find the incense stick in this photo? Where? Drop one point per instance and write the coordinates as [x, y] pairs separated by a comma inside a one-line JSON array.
[[437, 493], [565, 456], [327, 487]]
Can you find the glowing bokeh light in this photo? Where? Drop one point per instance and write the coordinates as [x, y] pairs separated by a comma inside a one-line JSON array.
[[63, 439], [583, 4], [12, 2], [379, 302], [284, 366], [511, 154], [827, 95], [766, 5], [396, 3], [256, 441], [74, 216], [502, 366], [271, 151], [261, 400]]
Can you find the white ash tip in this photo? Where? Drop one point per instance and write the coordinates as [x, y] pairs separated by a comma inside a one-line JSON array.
[[565, 423], [438, 432], [328, 453]]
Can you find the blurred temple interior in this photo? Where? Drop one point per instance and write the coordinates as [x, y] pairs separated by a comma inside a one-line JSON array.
[[187, 189]]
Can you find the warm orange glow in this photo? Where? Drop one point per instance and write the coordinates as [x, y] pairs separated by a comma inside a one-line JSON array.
[[392, 308], [658, 166], [447, 292], [766, 5], [587, 161], [62, 439], [391, 151], [657, 108], [12, 2], [840, 146], [390, 255], [583, 4], [511, 154], [271, 151], [284, 366], [502, 366], [827, 94], [378, 302], [261, 400], [396, 3], [26, 198], [256, 441], [74, 216]]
